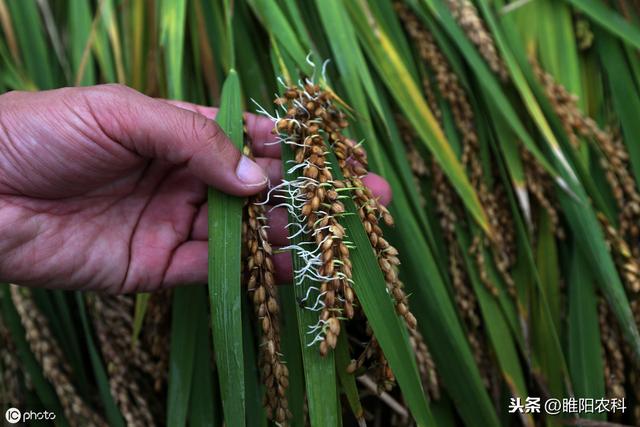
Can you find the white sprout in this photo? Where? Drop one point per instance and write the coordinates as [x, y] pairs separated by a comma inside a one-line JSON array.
[[293, 196]]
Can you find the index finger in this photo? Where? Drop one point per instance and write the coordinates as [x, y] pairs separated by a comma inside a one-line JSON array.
[[259, 128]]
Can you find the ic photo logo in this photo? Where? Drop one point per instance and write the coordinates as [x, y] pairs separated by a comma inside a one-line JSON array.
[[13, 416]]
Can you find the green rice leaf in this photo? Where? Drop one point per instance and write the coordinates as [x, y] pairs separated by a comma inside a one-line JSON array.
[[80, 29], [389, 329], [142, 301], [273, 18], [31, 38], [319, 372], [254, 389], [347, 380], [292, 351], [408, 96], [172, 23], [188, 305], [203, 405], [225, 290], [609, 20], [584, 351], [113, 415], [498, 330], [624, 93]]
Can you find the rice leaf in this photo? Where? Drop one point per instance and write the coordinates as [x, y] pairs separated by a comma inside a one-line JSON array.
[[187, 307], [624, 94], [100, 42], [584, 351], [347, 380], [273, 18], [142, 301], [319, 372], [203, 410], [545, 315], [254, 389], [225, 290], [390, 331], [79, 29], [498, 331], [31, 38], [292, 351], [137, 63], [609, 20], [112, 412], [408, 96], [347, 53], [172, 23], [228, 21], [526, 93]]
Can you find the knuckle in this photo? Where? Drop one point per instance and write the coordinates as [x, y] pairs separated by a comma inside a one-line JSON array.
[[211, 134], [105, 91], [114, 87], [109, 105]]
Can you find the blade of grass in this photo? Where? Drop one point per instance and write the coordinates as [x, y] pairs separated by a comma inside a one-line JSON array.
[[625, 96], [137, 61], [9, 33], [31, 38], [483, 74], [347, 380], [584, 349], [142, 301], [254, 389], [544, 319], [389, 330], [293, 8], [79, 29], [609, 20], [112, 412], [203, 410], [291, 349], [225, 290], [319, 372], [273, 18], [172, 24], [257, 74], [525, 92], [498, 330], [228, 6], [347, 53], [100, 42], [188, 304], [408, 96]]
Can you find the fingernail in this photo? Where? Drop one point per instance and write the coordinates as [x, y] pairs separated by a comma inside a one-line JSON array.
[[250, 173]]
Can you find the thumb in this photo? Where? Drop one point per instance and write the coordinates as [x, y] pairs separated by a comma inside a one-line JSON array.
[[156, 129]]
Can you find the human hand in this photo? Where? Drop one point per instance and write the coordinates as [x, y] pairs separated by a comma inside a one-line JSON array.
[[103, 188]]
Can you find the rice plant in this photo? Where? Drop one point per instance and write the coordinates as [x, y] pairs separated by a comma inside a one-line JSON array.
[[502, 278]]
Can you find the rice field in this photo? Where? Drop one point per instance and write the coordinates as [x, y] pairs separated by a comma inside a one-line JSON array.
[[499, 287]]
